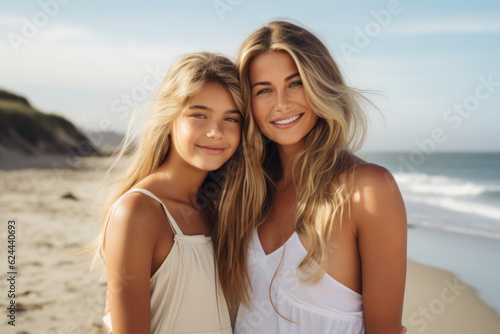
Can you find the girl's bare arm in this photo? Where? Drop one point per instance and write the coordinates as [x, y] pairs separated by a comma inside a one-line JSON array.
[[129, 245]]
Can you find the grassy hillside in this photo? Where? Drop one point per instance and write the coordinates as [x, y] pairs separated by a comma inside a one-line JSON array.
[[26, 130]]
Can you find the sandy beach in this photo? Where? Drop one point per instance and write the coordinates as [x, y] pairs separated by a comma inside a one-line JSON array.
[[436, 302], [56, 294]]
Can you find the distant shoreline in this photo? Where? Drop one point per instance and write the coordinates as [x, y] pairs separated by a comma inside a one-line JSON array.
[[363, 152], [45, 161]]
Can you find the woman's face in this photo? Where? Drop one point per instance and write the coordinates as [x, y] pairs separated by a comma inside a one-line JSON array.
[[208, 132], [279, 103]]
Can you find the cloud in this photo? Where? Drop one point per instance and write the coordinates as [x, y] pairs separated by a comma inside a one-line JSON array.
[[9, 21], [456, 25], [59, 34], [74, 57]]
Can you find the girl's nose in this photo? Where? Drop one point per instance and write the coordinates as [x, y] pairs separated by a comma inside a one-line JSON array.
[[214, 132]]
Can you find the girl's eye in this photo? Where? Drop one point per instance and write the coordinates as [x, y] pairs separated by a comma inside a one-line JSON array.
[[296, 83], [200, 116], [263, 91]]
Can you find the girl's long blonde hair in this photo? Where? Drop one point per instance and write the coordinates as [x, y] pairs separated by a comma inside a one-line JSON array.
[[320, 169], [185, 79]]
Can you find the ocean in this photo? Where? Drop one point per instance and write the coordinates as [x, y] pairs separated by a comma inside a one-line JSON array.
[[457, 192], [453, 209]]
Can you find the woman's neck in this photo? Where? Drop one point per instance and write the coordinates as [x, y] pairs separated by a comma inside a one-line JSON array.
[[286, 154], [184, 180]]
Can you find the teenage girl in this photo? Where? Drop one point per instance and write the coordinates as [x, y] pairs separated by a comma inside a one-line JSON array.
[[156, 233], [327, 251]]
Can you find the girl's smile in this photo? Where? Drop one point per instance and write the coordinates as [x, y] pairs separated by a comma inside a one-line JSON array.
[[208, 133], [212, 150]]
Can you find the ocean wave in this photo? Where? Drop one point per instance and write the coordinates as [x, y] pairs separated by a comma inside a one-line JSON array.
[[446, 186], [490, 194], [458, 229], [457, 205]]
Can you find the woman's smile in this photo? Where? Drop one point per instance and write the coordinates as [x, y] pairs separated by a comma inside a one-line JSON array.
[[279, 103], [286, 122]]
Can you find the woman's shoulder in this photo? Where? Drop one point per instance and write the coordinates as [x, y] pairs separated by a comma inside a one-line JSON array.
[[359, 173], [367, 173], [375, 193]]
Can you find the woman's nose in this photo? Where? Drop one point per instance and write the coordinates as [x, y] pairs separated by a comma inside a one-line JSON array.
[[282, 100]]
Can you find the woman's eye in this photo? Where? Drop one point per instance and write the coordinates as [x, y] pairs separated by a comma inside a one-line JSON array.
[[263, 91], [296, 83]]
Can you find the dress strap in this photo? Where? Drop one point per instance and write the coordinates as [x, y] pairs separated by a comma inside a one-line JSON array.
[[171, 220]]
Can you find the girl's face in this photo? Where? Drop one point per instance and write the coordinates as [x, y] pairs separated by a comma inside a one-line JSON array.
[[279, 103], [208, 132]]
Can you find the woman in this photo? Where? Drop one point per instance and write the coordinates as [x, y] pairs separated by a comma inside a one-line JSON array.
[[155, 238], [327, 252]]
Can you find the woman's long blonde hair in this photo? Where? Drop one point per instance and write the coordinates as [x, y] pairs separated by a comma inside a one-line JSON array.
[[185, 79], [319, 169]]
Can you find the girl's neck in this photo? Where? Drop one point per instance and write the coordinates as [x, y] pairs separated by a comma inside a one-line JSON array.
[[287, 153], [184, 180]]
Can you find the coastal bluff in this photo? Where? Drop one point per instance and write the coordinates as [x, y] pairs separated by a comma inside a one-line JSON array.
[[25, 130]]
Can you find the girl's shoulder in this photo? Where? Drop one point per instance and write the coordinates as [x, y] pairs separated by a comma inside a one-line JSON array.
[[132, 232], [136, 205], [136, 212]]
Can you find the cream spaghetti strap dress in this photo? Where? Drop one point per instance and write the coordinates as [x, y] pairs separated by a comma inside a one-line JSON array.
[[186, 296]]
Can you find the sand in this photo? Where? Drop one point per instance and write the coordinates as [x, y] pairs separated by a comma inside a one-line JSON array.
[[56, 294], [436, 302]]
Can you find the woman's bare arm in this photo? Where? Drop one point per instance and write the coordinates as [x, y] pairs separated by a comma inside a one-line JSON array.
[[380, 216]]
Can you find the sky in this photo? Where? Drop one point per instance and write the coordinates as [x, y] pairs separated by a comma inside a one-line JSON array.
[[433, 65]]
